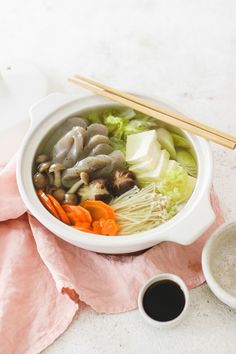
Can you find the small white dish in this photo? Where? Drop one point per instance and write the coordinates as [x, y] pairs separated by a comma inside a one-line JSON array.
[[147, 285], [218, 250]]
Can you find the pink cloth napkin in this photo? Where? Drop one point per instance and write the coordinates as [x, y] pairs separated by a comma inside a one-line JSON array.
[[42, 278]]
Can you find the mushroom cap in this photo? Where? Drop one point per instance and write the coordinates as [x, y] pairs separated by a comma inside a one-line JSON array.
[[41, 158], [89, 165], [94, 141], [59, 194], [40, 180], [97, 129], [55, 167], [44, 166], [76, 122], [101, 149], [69, 148]]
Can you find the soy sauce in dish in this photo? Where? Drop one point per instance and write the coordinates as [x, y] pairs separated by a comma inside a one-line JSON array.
[[164, 301]]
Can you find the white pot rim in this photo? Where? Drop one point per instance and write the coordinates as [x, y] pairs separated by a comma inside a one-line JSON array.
[[53, 109]]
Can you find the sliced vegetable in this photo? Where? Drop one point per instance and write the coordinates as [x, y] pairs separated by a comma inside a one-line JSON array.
[[175, 183], [115, 125], [189, 187], [187, 161], [128, 113], [180, 141], [64, 218], [84, 227], [126, 122], [47, 203], [77, 214], [95, 117], [166, 140], [107, 227], [138, 126], [98, 210], [110, 228], [117, 144], [98, 225]]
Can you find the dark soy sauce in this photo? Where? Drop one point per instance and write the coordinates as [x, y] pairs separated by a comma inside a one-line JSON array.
[[164, 301]]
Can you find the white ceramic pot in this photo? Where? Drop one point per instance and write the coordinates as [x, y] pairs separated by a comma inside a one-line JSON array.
[[184, 228]]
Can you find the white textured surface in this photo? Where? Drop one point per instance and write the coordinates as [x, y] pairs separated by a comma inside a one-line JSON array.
[[182, 51]]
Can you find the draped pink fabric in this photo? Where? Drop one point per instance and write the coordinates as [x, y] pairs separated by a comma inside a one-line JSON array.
[[43, 279]]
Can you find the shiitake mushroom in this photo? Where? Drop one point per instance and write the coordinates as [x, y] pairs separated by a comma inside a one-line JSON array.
[[95, 190], [121, 182]]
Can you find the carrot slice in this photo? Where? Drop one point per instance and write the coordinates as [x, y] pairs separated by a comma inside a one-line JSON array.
[[107, 227], [86, 225], [59, 210], [47, 203], [77, 214], [98, 209], [98, 225], [84, 229], [110, 228]]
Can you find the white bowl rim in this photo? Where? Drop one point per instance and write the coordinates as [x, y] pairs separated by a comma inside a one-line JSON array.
[[156, 278], [216, 288]]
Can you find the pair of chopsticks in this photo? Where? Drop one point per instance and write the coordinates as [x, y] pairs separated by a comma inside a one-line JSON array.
[[153, 110]]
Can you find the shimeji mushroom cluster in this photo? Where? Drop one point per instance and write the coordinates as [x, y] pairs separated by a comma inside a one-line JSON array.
[[83, 165]]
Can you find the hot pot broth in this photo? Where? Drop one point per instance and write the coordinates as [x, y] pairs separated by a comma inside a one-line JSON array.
[[114, 171]]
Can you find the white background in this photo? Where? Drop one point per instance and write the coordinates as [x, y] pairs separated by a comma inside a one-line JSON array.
[[181, 51]]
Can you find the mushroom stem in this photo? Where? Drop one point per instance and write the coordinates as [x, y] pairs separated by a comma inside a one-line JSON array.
[[51, 179], [44, 167], [75, 186], [84, 179], [57, 179], [56, 168]]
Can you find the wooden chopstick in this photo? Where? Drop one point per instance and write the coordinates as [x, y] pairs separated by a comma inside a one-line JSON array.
[[156, 107], [207, 134]]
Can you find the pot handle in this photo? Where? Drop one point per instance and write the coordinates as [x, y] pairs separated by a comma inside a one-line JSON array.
[[47, 105], [193, 226]]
